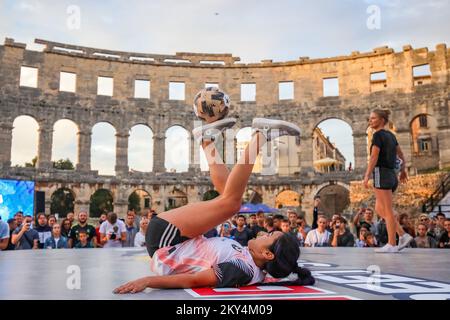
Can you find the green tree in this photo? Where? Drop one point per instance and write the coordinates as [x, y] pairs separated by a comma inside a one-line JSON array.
[[101, 202], [31, 164], [134, 202], [63, 164], [62, 202]]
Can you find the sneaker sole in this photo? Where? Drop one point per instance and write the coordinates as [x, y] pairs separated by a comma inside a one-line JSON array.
[[403, 246], [219, 125], [263, 123]]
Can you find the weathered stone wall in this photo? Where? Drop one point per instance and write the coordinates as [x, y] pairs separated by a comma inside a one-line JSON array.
[[308, 108]]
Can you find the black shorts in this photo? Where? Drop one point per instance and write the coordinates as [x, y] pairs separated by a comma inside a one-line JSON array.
[[385, 179], [160, 234]]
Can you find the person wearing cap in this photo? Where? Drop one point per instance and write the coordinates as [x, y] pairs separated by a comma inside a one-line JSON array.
[[4, 234]]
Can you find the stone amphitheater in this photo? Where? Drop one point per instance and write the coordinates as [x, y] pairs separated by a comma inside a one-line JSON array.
[[409, 97]]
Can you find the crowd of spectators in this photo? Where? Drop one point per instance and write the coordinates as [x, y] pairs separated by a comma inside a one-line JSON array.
[[365, 231]]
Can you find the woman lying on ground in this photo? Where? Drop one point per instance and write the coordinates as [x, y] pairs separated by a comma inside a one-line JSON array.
[[183, 258]]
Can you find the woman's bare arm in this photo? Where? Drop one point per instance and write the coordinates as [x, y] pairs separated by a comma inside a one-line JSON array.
[[206, 278]]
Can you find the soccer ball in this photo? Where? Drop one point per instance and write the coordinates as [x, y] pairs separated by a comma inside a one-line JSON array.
[[211, 104]]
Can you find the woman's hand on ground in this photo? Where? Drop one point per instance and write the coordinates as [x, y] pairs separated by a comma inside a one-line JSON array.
[[132, 286], [366, 182]]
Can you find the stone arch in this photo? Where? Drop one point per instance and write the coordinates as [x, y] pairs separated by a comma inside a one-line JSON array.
[[101, 201], [139, 200], [140, 148], [175, 199], [334, 196], [62, 202], [65, 140], [287, 198], [103, 147], [24, 144], [177, 148], [328, 151]]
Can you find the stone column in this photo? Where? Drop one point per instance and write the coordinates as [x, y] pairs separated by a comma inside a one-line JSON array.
[[404, 141], [444, 147], [306, 156], [84, 150], [360, 150], [194, 158], [45, 141], [6, 143], [159, 149], [121, 208], [122, 152]]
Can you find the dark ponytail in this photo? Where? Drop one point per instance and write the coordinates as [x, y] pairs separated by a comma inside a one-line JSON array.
[[287, 251]]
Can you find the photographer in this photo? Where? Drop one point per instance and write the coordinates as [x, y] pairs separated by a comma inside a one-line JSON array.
[[24, 237], [112, 231], [341, 236]]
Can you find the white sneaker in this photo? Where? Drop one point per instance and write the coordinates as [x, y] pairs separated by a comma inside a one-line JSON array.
[[387, 249], [212, 130], [273, 129], [404, 241]]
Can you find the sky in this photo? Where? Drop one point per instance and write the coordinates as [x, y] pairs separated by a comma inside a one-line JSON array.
[[280, 30]]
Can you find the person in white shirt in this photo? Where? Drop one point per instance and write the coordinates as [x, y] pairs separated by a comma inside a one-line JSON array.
[[139, 239], [318, 237], [112, 232]]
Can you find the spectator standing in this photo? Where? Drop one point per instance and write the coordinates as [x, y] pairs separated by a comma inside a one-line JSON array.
[[423, 239], [83, 241], [131, 228], [82, 225], [4, 234], [285, 226], [56, 241], [51, 221], [12, 223], [439, 228], [361, 242], [341, 236], [139, 240], [71, 217], [24, 237], [364, 216], [66, 225], [369, 240], [319, 237], [19, 218], [277, 222], [268, 225], [225, 230], [301, 231], [444, 240], [405, 223], [43, 229], [113, 231], [259, 226], [316, 211], [241, 233]]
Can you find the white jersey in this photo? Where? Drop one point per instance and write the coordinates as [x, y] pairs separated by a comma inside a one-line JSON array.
[[232, 263]]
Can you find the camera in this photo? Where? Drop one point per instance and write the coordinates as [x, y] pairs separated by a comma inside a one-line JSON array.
[[113, 236]]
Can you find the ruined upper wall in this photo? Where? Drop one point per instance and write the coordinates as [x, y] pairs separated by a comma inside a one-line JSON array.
[[353, 72]]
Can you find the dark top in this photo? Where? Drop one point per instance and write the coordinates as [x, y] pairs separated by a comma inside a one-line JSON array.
[[90, 231], [387, 142], [257, 229], [211, 233], [345, 240], [44, 232], [242, 237], [315, 218], [27, 240], [444, 241]]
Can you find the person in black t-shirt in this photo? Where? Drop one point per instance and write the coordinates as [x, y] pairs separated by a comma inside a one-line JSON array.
[[384, 151], [444, 241], [44, 230], [241, 233]]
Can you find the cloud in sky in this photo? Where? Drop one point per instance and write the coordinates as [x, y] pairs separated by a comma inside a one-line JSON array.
[[253, 29]]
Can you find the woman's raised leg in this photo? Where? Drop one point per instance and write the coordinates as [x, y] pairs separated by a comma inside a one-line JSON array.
[[196, 218]]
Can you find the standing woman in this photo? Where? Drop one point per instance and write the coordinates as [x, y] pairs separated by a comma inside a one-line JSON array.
[[382, 164]]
